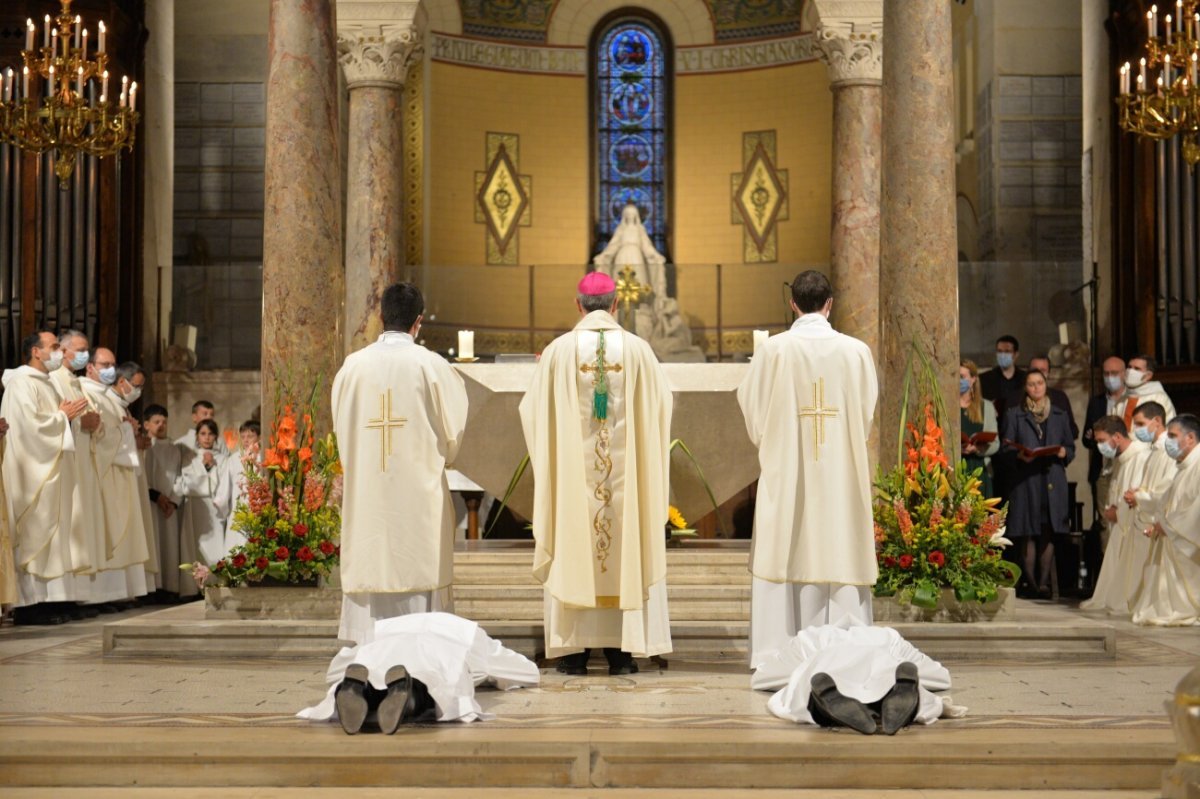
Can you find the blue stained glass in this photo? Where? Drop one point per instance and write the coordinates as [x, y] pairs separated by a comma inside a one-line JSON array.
[[631, 128]]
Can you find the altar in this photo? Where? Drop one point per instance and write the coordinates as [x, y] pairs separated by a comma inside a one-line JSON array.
[[706, 419]]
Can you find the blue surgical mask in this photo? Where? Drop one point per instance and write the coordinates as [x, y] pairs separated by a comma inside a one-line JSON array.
[[1106, 449], [108, 375], [1004, 360], [79, 361], [1143, 434], [1113, 383], [1172, 447], [964, 385]]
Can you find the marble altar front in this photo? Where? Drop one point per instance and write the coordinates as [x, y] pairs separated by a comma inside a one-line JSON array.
[[706, 418]]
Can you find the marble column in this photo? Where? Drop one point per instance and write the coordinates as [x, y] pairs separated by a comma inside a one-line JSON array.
[[375, 68], [302, 217], [918, 275]]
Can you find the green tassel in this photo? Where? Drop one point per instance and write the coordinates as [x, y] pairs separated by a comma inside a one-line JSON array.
[[600, 405]]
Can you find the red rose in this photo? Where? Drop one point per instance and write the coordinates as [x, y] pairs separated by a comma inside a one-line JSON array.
[[327, 547], [262, 563], [937, 558], [975, 542], [272, 534], [905, 561], [220, 565], [300, 530], [282, 553], [255, 540], [889, 562], [239, 560], [304, 553]]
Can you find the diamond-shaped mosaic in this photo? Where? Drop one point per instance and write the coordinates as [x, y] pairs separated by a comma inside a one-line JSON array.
[[760, 196], [502, 198]]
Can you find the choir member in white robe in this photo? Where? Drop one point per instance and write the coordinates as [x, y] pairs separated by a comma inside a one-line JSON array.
[[1120, 580], [448, 654], [164, 465], [597, 422], [399, 412], [1140, 384], [1171, 585], [202, 530], [8, 573], [862, 662], [36, 486], [122, 573], [201, 410], [808, 401], [231, 482]]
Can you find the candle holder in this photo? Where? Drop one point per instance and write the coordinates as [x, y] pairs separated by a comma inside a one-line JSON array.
[[459, 359]]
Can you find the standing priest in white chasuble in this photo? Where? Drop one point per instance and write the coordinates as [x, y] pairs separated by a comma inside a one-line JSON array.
[[808, 401], [398, 411], [597, 420]]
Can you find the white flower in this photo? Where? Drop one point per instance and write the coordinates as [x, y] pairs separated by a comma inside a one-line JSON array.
[[998, 539]]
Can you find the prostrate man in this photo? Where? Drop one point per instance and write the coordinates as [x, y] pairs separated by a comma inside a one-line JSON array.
[[1171, 584], [597, 421], [201, 410], [398, 411], [1120, 580], [163, 465], [1139, 378], [231, 481], [36, 484], [808, 401]]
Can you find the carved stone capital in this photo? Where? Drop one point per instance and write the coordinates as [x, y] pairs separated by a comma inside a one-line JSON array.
[[853, 53], [378, 60]]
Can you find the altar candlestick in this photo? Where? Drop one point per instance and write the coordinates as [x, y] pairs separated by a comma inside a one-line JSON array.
[[760, 338], [466, 343]]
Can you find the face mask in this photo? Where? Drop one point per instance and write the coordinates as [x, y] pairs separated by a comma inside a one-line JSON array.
[[79, 361], [1172, 447], [132, 396], [1106, 449], [1143, 434], [108, 375], [54, 361], [1004, 360], [964, 385], [1113, 383], [1134, 377]]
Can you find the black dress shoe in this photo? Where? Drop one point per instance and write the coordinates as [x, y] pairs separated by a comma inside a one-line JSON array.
[[43, 614], [350, 699], [835, 709], [900, 705], [398, 703], [574, 664], [620, 662]]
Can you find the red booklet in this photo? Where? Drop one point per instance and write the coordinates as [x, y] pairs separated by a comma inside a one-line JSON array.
[[1039, 452], [980, 440]]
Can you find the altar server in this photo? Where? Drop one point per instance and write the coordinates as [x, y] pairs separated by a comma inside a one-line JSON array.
[[163, 467], [1171, 585], [399, 411], [37, 487], [808, 401], [202, 528], [597, 422], [231, 482], [201, 410]]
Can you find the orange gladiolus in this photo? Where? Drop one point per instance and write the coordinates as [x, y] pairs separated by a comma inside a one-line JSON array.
[[274, 458]]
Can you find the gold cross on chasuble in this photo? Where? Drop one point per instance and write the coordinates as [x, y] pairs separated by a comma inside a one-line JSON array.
[[818, 412], [385, 424]]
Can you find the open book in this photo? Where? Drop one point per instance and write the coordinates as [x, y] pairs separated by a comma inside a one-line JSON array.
[[1038, 452], [980, 440]]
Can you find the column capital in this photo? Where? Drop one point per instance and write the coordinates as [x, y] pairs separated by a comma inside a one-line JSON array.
[[378, 58], [852, 50]]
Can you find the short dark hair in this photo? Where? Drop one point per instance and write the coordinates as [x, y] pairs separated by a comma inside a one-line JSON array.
[[31, 342], [597, 302], [198, 404], [1113, 425], [1152, 410], [402, 303], [1189, 422], [1151, 364], [810, 291], [216, 431], [1006, 339], [154, 410], [130, 370], [250, 426]]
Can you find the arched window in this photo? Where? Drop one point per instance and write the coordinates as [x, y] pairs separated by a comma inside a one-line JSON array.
[[631, 114]]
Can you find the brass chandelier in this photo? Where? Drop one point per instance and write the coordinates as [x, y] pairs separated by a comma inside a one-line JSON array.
[[1163, 100], [60, 98]]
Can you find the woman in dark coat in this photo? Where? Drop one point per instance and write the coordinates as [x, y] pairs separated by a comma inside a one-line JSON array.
[[1037, 506]]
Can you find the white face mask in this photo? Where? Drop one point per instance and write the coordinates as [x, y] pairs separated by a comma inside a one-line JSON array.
[[132, 396], [1143, 434], [108, 375], [1134, 377], [1107, 449], [54, 361]]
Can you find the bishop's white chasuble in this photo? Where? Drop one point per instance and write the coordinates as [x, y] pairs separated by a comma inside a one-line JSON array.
[[1120, 579], [600, 469], [808, 401], [1171, 583], [399, 412]]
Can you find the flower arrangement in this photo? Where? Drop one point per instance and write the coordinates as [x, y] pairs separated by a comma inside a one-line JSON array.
[[934, 529], [292, 515], [675, 518]]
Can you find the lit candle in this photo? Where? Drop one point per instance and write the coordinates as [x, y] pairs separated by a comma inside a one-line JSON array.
[[83, 53], [133, 101], [46, 33], [79, 82], [25, 82], [1195, 68], [8, 79], [760, 338], [125, 90], [466, 344], [54, 42], [1160, 85], [1179, 16], [78, 21], [104, 86], [1166, 72], [29, 34], [1141, 84], [1142, 73], [1168, 28], [103, 32]]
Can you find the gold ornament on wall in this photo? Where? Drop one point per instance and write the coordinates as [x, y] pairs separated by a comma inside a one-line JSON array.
[[503, 198], [759, 197]]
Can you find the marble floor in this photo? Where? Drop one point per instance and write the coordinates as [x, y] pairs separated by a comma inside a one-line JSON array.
[[56, 677]]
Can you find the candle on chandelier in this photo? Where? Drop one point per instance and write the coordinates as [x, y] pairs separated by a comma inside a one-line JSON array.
[[1141, 84], [1160, 85], [46, 32], [133, 96], [103, 32], [29, 34], [54, 42], [1168, 28], [8, 79], [78, 22], [104, 86], [1123, 78], [1166, 71], [1179, 16], [1195, 67], [25, 82], [1142, 73], [79, 82], [125, 90], [83, 53], [1152, 15]]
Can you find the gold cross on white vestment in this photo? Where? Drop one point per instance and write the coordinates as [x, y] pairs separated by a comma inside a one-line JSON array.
[[818, 412], [385, 424]]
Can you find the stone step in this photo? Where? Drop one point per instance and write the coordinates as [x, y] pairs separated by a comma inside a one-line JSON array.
[[675, 557], [492, 610]]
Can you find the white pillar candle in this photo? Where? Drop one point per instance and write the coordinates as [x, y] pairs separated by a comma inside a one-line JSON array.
[[1153, 15], [100, 44], [29, 34], [46, 33], [25, 82], [1142, 74], [79, 82], [466, 343], [83, 52], [104, 87], [760, 338], [78, 21], [133, 96]]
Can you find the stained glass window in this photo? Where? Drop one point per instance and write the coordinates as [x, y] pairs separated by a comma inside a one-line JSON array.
[[631, 114]]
